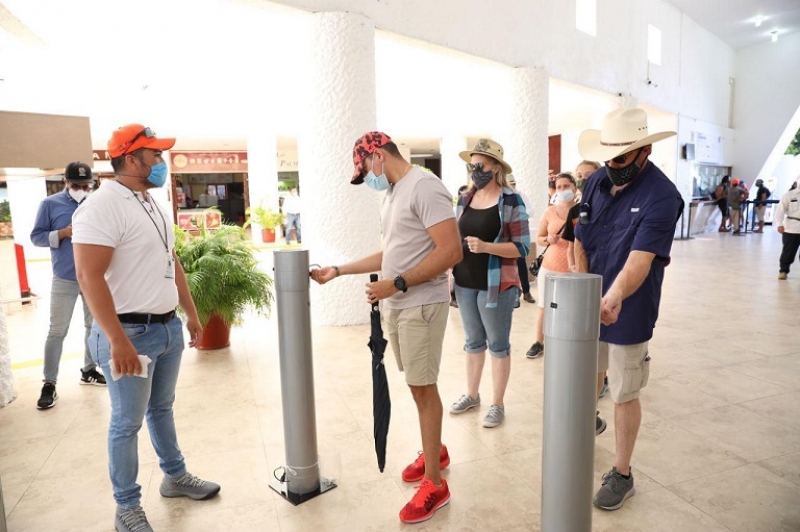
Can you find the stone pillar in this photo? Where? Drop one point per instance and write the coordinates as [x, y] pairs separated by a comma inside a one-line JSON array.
[[454, 173], [7, 393], [523, 133], [25, 193], [341, 222], [262, 173]]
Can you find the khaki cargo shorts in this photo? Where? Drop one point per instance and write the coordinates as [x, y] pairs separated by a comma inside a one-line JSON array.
[[628, 369], [417, 335]]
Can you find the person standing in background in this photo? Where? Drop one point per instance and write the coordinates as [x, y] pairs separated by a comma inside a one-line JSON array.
[[53, 229], [760, 204], [736, 195], [787, 220], [292, 207]]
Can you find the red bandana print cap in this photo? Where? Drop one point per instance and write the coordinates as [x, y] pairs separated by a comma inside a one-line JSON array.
[[364, 147]]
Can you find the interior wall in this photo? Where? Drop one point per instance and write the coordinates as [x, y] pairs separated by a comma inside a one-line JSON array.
[[766, 99]]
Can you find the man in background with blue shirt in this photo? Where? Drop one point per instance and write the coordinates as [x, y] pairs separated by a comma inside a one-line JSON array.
[[53, 229], [627, 224]]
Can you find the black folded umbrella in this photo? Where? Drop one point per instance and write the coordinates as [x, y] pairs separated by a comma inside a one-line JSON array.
[[381, 404]]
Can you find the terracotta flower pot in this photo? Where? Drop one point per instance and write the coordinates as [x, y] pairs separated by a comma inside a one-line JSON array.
[[216, 335], [268, 235]]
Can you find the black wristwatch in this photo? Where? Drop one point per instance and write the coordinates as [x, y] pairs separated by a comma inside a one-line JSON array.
[[400, 284]]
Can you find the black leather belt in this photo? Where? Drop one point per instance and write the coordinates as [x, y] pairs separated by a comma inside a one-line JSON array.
[[145, 319]]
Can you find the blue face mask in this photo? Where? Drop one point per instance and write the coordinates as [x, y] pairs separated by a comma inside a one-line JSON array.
[[158, 174], [377, 183]]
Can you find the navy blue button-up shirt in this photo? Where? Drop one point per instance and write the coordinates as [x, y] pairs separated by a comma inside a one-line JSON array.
[[640, 217], [55, 212]]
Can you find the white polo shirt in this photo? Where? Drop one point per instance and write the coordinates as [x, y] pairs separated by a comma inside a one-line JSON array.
[[141, 274]]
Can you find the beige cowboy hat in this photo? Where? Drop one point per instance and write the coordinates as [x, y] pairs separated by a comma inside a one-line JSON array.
[[624, 130], [489, 148]]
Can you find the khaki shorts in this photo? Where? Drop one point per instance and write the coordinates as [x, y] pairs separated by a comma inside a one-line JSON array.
[[628, 371], [417, 335]]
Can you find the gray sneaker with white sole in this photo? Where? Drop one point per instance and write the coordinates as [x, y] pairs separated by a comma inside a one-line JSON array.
[[464, 403], [615, 490], [494, 416], [188, 486], [131, 520]]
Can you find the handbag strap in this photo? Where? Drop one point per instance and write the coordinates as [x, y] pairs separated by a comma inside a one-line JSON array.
[[559, 232]]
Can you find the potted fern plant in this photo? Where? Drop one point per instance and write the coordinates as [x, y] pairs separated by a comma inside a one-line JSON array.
[[224, 279], [268, 219], [6, 229]]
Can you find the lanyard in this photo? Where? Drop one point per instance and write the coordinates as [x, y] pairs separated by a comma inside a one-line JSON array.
[[164, 239]]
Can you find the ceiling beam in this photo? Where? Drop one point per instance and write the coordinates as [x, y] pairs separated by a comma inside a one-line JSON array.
[[15, 27]]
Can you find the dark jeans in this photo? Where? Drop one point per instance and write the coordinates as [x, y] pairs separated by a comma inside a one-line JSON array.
[[791, 244], [523, 275]]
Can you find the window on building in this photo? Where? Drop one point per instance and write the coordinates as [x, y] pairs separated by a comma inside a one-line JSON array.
[[586, 16], [653, 44]]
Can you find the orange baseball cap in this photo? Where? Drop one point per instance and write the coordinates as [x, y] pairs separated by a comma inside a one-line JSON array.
[[134, 136]]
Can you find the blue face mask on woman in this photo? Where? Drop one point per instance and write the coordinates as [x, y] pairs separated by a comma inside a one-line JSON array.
[[377, 183], [158, 174]]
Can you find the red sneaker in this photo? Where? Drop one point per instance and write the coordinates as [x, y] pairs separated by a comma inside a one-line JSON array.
[[425, 502], [416, 470]]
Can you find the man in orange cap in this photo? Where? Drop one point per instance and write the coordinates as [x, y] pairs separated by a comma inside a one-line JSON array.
[[129, 274], [736, 195], [420, 243]]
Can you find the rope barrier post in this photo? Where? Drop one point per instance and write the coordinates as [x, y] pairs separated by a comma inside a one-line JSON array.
[[300, 480], [572, 332]]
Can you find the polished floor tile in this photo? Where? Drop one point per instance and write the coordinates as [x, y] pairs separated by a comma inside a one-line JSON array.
[[746, 499], [718, 449]]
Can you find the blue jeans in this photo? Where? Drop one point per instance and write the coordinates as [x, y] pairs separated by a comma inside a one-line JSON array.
[[63, 295], [482, 325], [134, 398], [293, 220]]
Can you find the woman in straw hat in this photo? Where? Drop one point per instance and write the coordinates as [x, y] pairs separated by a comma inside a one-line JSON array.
[[493, 223]]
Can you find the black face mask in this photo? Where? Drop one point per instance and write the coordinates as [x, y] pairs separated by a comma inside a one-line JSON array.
[[481, 178], [624, 175]]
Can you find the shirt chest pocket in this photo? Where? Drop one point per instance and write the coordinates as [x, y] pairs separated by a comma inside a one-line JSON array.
[[626, 220], [794, 209]]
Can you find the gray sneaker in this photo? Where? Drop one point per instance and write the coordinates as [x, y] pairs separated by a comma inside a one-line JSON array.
[[188, 486], [464, 403], [615, 490], [494, 417], [132, 520]]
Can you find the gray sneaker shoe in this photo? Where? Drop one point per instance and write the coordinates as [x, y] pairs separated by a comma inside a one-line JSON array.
[[132, 520], [464, 403], [615, 490], [599, 425], [494, 417], [188, 486]]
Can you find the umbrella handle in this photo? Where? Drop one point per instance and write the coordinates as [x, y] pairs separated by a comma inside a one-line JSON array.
[[373, 278]]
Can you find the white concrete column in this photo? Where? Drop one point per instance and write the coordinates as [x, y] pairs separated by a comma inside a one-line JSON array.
[[341, 222], [262, 172], [7, 392], [454, 173], [25, 193], [523, 133]]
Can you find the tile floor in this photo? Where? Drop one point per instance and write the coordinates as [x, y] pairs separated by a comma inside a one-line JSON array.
[[719, 448]]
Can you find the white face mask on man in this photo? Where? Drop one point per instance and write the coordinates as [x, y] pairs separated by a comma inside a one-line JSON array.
[[78, 194]]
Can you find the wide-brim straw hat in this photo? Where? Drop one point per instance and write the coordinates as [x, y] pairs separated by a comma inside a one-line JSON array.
[[624, 131], [489, 148]]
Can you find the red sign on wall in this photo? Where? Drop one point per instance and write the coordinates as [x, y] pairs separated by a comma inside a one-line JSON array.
[[208, 162]]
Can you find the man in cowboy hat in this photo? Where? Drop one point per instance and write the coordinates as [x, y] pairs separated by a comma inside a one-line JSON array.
[[420, 243], [629, 211]]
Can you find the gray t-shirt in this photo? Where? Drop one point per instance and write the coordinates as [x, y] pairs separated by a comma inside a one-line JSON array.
[[417, 202], [735, 196]]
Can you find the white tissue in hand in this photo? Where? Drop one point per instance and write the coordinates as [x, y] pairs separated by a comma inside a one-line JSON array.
[[145, 360]]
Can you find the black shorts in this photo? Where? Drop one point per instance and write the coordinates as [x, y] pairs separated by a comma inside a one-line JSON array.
[[723, 206]]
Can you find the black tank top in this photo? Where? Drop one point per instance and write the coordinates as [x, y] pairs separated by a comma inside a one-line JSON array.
[[472, 271]]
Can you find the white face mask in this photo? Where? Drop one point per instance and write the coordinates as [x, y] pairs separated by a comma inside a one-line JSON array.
[[565, 196], [78, 195]]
